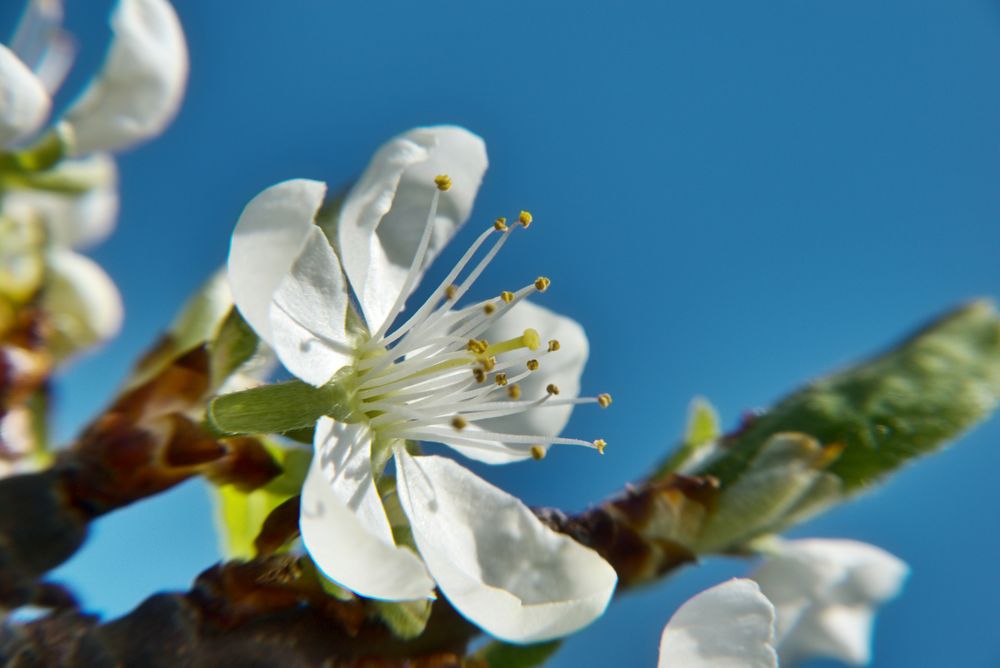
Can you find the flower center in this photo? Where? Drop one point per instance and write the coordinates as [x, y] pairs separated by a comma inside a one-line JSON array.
[[434, 378]]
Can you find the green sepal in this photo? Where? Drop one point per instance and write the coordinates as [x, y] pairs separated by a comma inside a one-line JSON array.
[[43, 155], [273, 409], [406, 619], [233, 346], [499, 654]]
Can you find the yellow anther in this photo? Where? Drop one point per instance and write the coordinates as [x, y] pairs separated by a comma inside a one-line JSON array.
[[532, 365], [537, 452], [488, 363], [442, 181], [553, 345], [489, 308], [600, 444], [459, 423], [479, 375], [531, 339], [514, 391], [501, 379], [604, 400], [477, 346], [451, 291], [542, 284], [500, 224], [507, 296], [552, 388], [525, 218]]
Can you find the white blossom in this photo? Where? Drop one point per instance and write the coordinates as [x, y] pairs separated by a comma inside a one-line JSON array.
[[24, 102], [826, 594], [730, 625], [450, 374], [140, 86]]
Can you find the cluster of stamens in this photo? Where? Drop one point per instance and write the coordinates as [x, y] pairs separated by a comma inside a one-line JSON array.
[[415, 382]]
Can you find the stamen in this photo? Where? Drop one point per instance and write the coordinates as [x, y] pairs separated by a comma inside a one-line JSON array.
[[525, 218], [604, 400], [500, 224], [542, 284], [507, 296], [553, 345], [489, 363], [514, 391], [459, 423], [600, 444], [532, 365], [501, 379], [537, 452], [489, 308], [426, 312], [479, 375], [552, 388], [443, 182]]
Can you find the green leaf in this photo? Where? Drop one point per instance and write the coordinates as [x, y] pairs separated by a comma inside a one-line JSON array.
[[406, 619], [703, 429], [884, 412], [503, 655], [703, 423], [780, 477], [272, 409], [241, 515]]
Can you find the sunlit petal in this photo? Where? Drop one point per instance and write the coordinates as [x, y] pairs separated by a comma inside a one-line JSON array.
[[384, 214], [348, 553], [269, 236], [494, 560], [730, 625], [141, 84]]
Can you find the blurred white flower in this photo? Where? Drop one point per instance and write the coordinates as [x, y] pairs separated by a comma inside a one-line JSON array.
[[83, 303], [141, 84], [445, 375], [730, 625], [24, 103], [826, 593], [77, 220]]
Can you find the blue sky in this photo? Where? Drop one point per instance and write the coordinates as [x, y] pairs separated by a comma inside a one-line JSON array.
[[732, 197]]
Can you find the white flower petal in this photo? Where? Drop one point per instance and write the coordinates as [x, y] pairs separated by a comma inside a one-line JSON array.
[[83, 302], [383, 215], [24, 104], [563, 368], [141, 84], [345, 455], [730, 625], [70, 220], [837, 632], [270, 234], [826, 593], [309, 311], [494, 560], [349, 554]]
